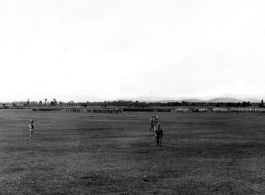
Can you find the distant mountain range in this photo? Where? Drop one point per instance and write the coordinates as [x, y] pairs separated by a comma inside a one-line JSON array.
[[186, 100], [84, 98], [231, 98]]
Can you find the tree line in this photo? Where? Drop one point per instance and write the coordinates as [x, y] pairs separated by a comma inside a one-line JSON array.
[[122, 103], [127, 104]]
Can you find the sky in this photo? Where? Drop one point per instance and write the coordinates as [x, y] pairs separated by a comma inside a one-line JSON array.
[[88, 49]]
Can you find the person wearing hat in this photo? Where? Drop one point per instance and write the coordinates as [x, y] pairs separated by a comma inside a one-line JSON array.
[[158, 135], [31, 129]]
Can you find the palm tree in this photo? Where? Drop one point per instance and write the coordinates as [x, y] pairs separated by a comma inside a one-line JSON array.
[[45, 101]]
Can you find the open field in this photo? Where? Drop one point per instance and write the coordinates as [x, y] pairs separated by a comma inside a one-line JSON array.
[[90, 153]]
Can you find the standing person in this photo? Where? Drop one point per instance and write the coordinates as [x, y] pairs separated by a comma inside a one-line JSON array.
[[31, 128], [158, 135], [155, 121], [152, 123]]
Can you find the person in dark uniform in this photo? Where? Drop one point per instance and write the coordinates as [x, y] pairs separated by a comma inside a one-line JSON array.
[[152, 123], [158, 135], [31, 128]]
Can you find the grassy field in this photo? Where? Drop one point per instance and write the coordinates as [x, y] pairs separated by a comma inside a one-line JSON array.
[[86, 153]]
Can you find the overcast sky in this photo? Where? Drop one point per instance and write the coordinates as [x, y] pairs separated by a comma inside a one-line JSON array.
[[129, 48]]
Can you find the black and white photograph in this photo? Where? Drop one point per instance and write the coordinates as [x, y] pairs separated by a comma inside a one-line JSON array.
[[132, 97]]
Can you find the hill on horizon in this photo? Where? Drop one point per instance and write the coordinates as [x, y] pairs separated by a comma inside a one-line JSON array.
[[225, 99], [179, 99], [185, 100], [80, 98]]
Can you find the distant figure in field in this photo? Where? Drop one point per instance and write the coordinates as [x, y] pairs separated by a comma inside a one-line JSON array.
[[155, 122], [152, 123], [31, 129], [158, 135]]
